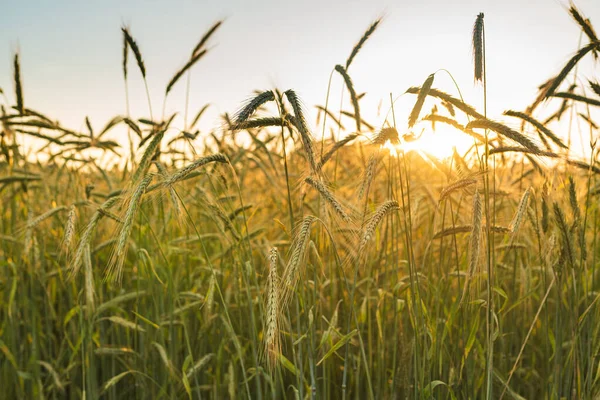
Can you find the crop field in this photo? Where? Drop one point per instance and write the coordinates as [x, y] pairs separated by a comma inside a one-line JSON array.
[[279, 256]]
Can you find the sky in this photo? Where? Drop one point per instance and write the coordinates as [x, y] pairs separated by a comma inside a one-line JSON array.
[[71, 52]]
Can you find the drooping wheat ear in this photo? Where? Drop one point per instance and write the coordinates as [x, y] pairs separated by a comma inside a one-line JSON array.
[[70, 228], [573, 200], [386, 134], [425, 88], [538, 125], [369, 176], [338, 145], [459, 184], [550, 89], [185, 68], [86, 237], [369, 229], [42, 217], [263, 123], [464, 107], [584, 166], [362, 41], [148, 155], [298, 254], [115, 267], [584, 24], [577, 97], [478, 38], [566, 233], [18, 85], [136, 50], [251, 106], [454, 123], [172, 194], [302, 127], [328, 197], [520, 149], [184, 172], [521, 209], [504, 131], [475, 242], [205, 38], [348, 81], [272, 343]]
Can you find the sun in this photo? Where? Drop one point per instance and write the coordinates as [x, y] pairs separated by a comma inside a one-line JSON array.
[[439, 143]]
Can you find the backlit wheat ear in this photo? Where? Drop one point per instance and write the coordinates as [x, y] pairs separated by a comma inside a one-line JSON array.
[[328, 197], [338, 145], [136, 50], [350, 86], [459, 184], [369, 176], [478, 48], [185, 68], [566, 234], [521, 209], [545, 208], [475, 242], [115, 267], [386, 134], [298, 254], [504, 131], [90, 292], [300, 123], [584, 24], [573, 200], [86, 236], [272, 343], [538, 125], [183, 173], [125, 56], [18, 85], [251, 106], [550, 90], [455, 124], [369, 230], [445, 97], [70, 229], [362, 41], [205, 38], [148, 155], [425, 88]]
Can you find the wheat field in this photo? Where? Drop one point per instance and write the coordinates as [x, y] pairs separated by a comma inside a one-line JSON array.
[[280, 257]]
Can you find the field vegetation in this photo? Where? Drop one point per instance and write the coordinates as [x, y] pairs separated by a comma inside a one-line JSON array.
[[280, 257]]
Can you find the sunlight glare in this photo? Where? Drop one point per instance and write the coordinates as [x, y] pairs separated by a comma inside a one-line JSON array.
[[439, 143]]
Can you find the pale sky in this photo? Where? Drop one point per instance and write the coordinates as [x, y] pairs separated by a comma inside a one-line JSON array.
[[71, 51]]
